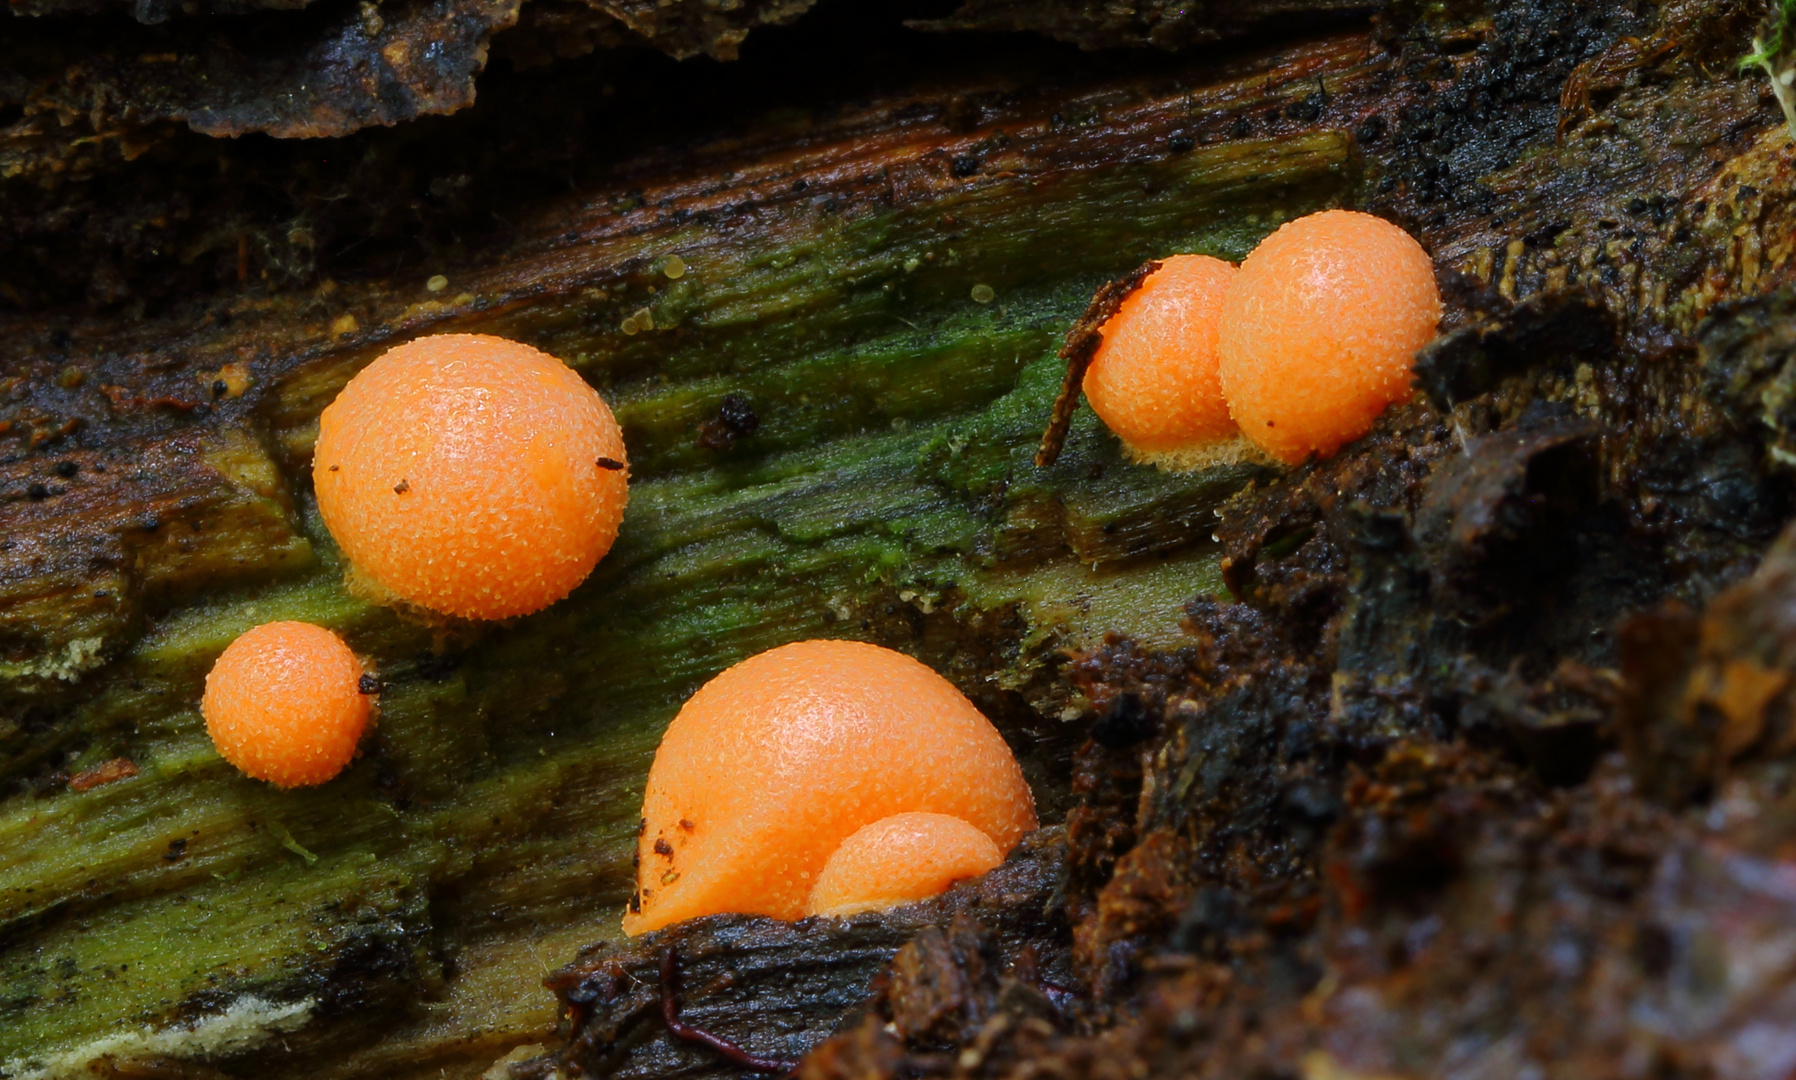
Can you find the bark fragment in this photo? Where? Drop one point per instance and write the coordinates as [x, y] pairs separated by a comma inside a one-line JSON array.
[[330, 73], [1162, 24]]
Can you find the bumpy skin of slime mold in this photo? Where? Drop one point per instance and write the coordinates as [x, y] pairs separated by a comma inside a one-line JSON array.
[[1320, 330], [778, 760], [283, 704], [1154, 380], [462, 474], [899, 859]]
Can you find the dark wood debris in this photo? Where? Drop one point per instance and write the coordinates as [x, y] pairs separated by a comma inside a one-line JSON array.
[[777, 989]]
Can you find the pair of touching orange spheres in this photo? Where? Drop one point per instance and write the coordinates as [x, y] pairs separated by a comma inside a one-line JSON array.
[[1297, 352], [477, 478]]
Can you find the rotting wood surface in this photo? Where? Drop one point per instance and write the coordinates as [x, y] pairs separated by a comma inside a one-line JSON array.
[[885, 492], [1366, 823], [818, 970]]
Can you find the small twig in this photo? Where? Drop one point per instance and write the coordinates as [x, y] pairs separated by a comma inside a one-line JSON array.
[[670, 1014], [1081, 345]]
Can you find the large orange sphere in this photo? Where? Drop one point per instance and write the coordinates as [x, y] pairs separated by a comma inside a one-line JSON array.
[[284, 704], [1320, 330], [776, 761], [898, 860], [1154, 380], [471, 476]]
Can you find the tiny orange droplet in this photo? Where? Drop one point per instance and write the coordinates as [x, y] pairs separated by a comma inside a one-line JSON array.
[[899, 859], [283, 703]]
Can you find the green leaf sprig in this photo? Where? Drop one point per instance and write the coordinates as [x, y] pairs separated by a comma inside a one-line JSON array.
[[1774, 51]]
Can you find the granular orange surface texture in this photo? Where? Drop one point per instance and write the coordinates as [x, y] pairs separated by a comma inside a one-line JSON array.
[[1319, 333], [899, 859], [1154, 379], [471, 476], [283, 703], [776, 761]]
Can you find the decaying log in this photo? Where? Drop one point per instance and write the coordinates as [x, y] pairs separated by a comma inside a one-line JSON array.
[[1366, 820], [886, 492]]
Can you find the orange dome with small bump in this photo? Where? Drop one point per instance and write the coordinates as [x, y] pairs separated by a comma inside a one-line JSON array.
[[899, 859], [284, 704], [1153, 380], [1319, 332], [471, 476], [778, 760]]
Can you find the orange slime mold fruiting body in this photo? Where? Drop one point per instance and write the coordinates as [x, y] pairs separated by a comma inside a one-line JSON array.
[[1153, 380], [778, 760], [899, 859], [284, 704], [1319, 333], [471, 476]]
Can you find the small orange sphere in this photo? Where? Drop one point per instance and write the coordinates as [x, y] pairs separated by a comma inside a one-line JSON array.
[[899, 859], [1154, 379], [776, 761], [284, 704], [1320, 331], [471, 476]]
